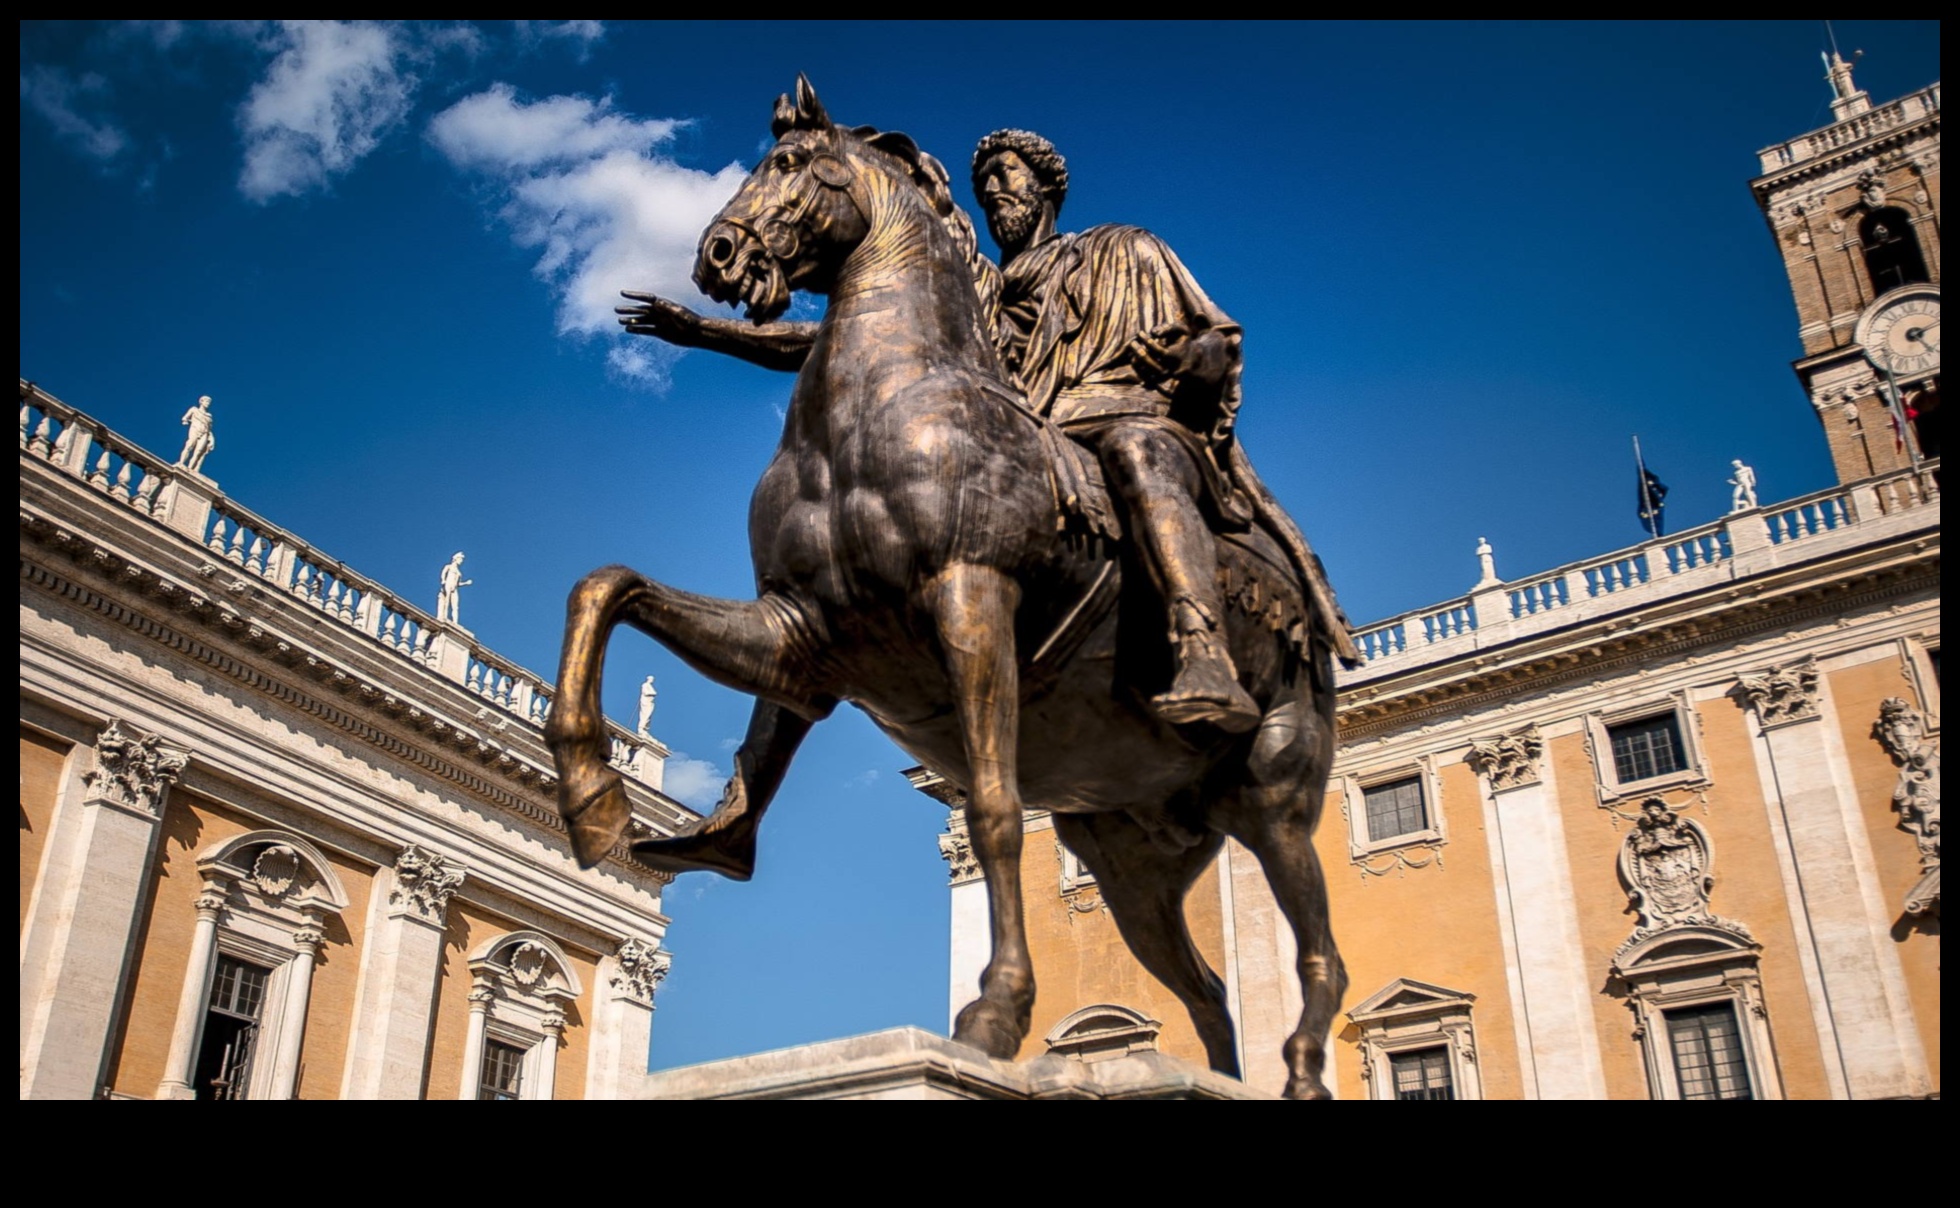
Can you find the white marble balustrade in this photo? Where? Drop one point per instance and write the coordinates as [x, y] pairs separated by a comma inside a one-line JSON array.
[[1740, 544], [116, 467]]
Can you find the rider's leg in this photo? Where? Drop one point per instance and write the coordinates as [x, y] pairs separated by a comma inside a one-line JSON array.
[[1153, 474]]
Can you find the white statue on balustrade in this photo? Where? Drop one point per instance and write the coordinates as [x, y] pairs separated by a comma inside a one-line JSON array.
[[1486, 563], [449, 600], [198, 442], [1743, 497], [647, 697]]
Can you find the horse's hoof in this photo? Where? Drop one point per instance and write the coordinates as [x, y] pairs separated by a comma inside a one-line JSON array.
[[986, 1027], [1307, 1088], [729, 851], [597, 821]]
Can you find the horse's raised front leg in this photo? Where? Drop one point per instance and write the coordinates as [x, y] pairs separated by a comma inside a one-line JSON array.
[[724, 842], [974, 608], [761, 647]]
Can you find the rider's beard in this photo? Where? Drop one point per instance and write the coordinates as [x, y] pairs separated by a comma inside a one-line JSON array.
[[1011, 219]]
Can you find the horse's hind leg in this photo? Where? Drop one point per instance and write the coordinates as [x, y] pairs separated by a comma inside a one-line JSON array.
[[753, 646], [1144, 887], [724, 842], [1273, 814]]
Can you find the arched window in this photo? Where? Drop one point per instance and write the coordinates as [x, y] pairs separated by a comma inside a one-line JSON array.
[[1892, 255], [522, 986]]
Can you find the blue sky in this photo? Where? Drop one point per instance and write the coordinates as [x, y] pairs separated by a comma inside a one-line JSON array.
[[1471, 260]]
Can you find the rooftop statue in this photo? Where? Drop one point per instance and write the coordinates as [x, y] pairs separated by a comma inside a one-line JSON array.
[[1009, 519]]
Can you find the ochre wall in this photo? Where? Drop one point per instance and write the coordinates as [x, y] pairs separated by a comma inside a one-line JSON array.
[[41, 761], [1857, 693], [1435, 924], [1080, 960], [470, 925]]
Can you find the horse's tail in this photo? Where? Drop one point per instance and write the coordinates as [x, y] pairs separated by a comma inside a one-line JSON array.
[[1326, 615]]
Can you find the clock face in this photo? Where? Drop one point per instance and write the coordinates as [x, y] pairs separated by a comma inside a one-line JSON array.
[[1903, 335]]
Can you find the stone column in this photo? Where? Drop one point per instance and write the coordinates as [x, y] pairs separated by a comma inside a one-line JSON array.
[[81, 924], [292, 1017], [617, 1061], [389, 1049], [1860, 1003], [554, 1035], [1539, 913], [482, 994], [177, 1068], [972, 942]]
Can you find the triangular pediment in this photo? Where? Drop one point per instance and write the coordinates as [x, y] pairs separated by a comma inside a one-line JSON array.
[[1407, 995]]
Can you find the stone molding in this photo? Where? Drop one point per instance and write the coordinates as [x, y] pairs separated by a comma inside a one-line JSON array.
[[1783, 695], [1903, 732], [133, 771], [424, 882], [956, 848], [1509, 761]]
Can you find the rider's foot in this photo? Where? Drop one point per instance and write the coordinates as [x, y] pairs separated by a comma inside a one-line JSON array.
[[1206, 688]]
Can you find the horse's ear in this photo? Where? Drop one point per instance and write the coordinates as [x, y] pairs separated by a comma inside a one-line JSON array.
[[810, 113], [784, 119], [928, 173]]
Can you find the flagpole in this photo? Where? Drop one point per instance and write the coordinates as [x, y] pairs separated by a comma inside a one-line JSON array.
[[1650, 514]]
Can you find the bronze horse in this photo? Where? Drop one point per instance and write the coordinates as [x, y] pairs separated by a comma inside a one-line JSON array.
[[913, 557]]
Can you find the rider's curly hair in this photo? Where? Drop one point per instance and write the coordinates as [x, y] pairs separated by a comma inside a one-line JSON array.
[[1037, 152]]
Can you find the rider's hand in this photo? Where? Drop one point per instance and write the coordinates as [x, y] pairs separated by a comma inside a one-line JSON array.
[[656, 316], [1160, 356]]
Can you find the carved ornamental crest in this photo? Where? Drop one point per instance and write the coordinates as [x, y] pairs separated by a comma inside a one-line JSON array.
[[1664, 864]]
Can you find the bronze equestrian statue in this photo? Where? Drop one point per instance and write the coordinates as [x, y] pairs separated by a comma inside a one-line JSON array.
[[932, 546]]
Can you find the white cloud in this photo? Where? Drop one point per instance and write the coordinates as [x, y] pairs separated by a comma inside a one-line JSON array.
[[589, 188], [57, 98], [333, 90], [583, 34], [694, 782]]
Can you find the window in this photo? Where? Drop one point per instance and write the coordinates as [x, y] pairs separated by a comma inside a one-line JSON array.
[[1708, 1057], [1647, 748], [1394, 809], [1416, 1042], [502, 1076], [1393, 813], [1422, 1074], [1892, 255], [231, 1030]]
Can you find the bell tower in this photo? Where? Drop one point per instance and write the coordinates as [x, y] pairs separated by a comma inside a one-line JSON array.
[[1854, 208]]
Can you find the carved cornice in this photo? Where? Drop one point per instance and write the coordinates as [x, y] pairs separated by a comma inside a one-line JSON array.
[[133, 770], [956, 848], [1509, 761], [234, 625], [640, 968], [1782, 695], [424, 883]]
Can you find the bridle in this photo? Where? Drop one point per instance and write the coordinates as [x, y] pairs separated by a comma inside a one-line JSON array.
[[782, 227]]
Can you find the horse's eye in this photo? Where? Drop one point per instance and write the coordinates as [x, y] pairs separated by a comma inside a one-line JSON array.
[[789, 161]]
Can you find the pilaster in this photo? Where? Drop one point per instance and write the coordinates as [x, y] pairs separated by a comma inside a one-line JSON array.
[[82, 922], [388, 1052], [624, 1026]]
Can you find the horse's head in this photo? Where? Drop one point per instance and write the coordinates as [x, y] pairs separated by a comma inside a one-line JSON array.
[[809, 203]]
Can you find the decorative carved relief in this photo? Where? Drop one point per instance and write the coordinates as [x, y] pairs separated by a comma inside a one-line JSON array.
[[1665, 866], [528, 964], [133, 770], [956, 848], [424, 883], [1871, 188], [1509, 761], [642, 966], [1902, 730], [1781, 695], [276, 870]]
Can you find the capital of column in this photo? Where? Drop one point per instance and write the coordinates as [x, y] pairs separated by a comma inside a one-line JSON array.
[[641, 967], [424, 883], [1509, 761], [133, 771], [1782, 695], [211, 899]]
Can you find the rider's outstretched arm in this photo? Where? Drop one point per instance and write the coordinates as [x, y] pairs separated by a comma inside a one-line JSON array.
[[770, 345]]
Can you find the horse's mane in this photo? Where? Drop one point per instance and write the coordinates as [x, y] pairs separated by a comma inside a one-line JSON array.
[[930, 177]]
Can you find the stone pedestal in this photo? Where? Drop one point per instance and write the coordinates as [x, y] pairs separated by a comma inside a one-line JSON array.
[[910, 1063]]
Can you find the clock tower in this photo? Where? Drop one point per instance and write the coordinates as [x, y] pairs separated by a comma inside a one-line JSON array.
[[1855, 210]]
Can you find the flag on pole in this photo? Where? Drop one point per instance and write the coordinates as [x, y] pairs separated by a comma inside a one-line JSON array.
[[1652, 494]]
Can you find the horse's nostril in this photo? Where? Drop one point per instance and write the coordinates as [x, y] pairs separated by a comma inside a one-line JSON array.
[[721, 251]]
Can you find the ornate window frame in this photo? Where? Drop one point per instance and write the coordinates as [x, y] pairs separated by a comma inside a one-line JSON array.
[[1103, 1032], [1696, 965], [1916, 654], [267, 897], [1354, 804], [1599, 743], [1406, 1016], [521, 984]]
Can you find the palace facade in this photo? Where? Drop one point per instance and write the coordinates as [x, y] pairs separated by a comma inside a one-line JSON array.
[[1660, 824], [284, 834]]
